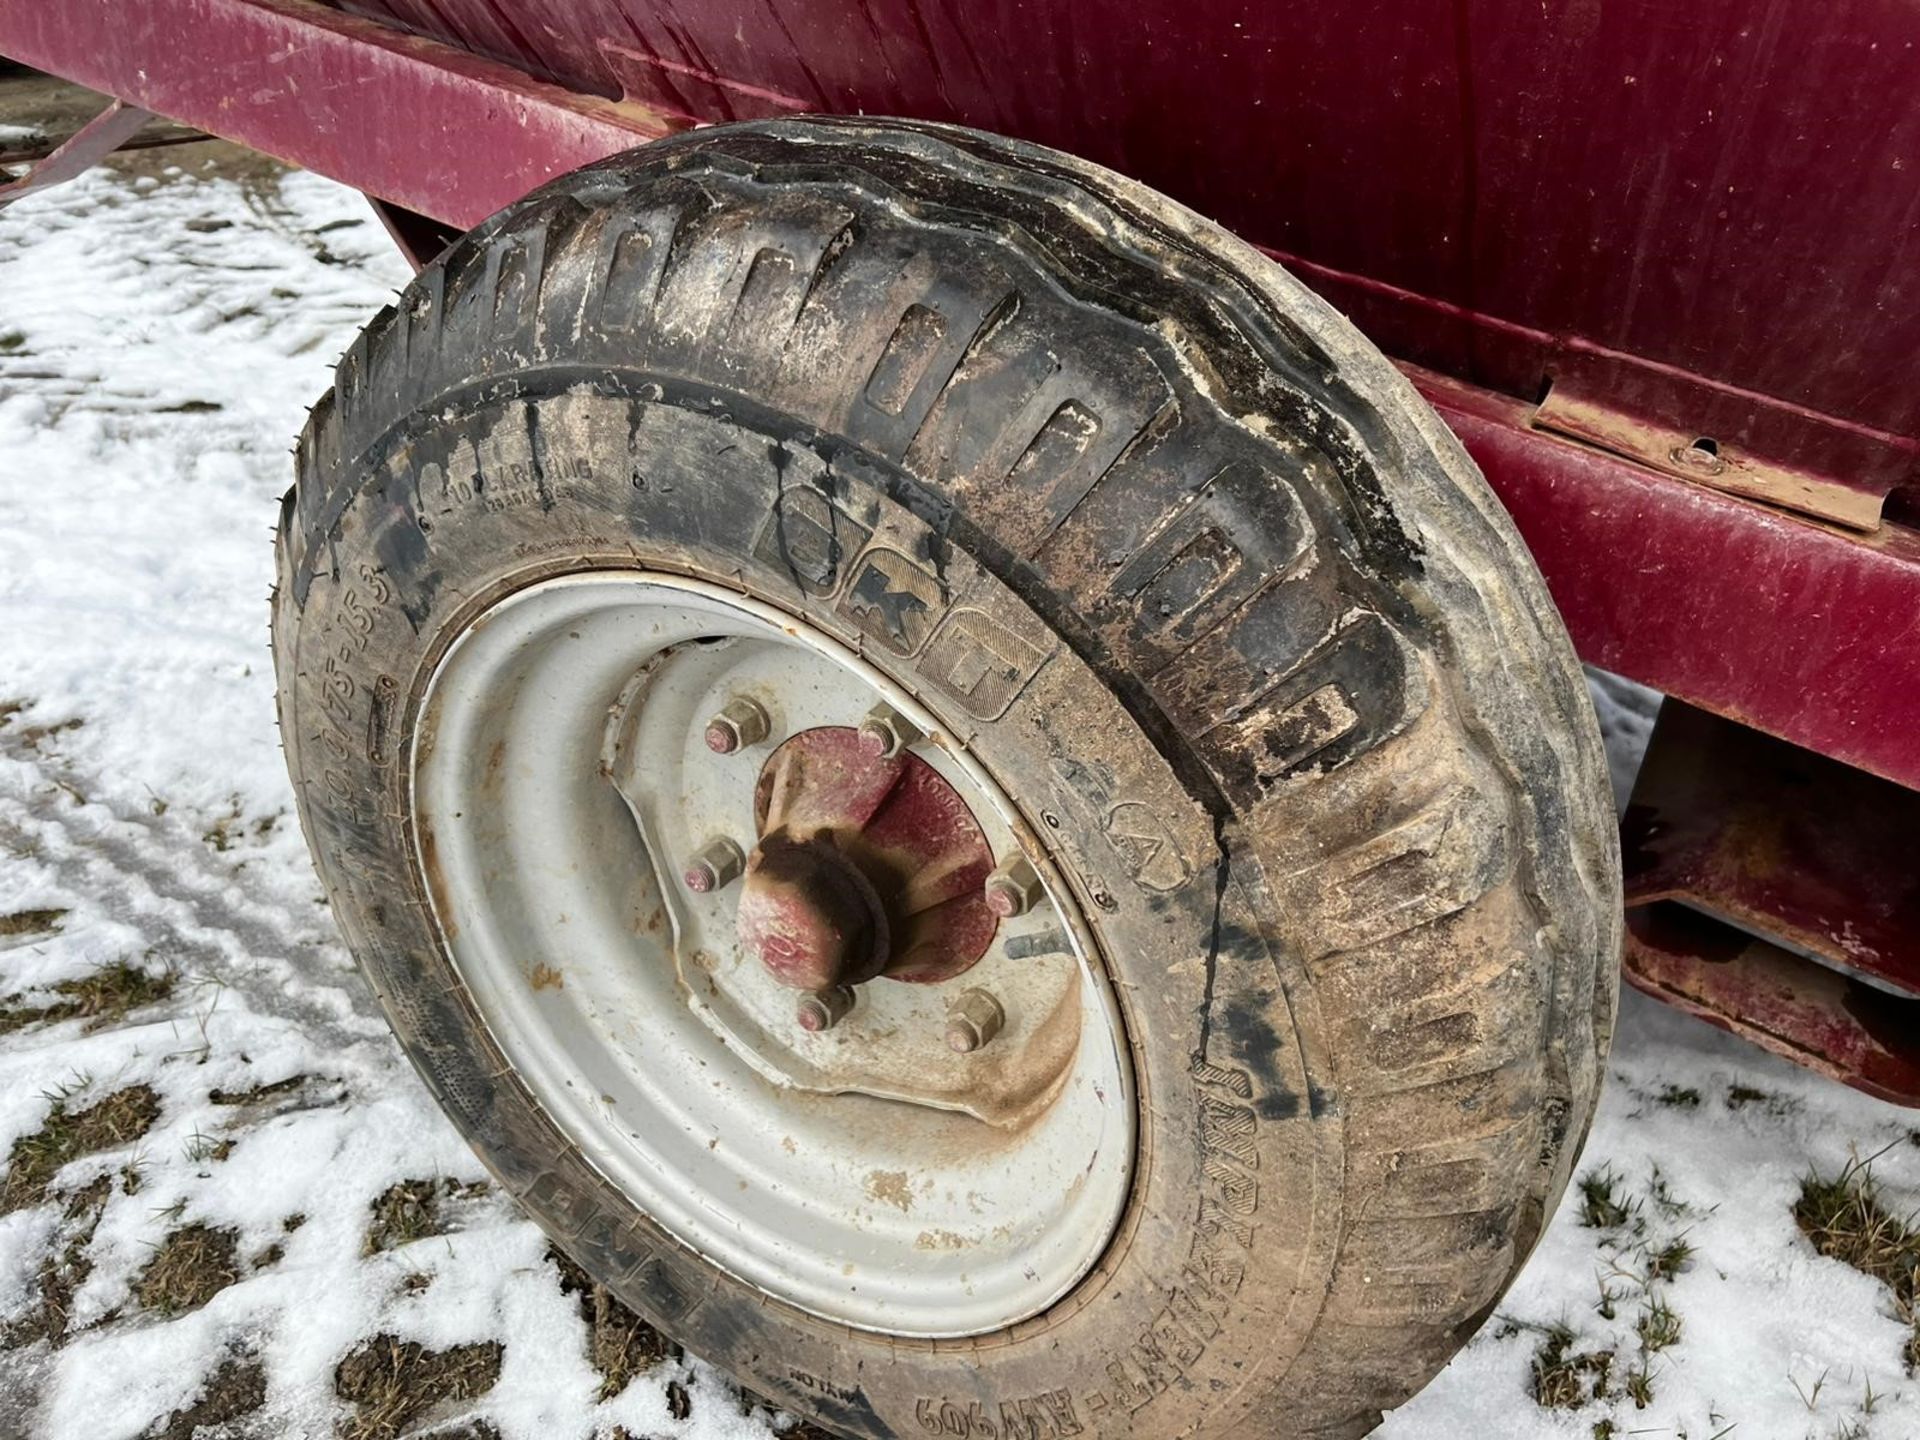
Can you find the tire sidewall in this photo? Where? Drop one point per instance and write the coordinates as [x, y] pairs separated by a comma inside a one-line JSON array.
[[1228, 1232]]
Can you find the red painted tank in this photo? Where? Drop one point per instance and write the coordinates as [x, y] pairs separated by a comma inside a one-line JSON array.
[[1642, 202]]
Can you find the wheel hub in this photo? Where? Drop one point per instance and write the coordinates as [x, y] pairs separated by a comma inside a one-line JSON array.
[[674, 841], [810, 913], [867, 865]]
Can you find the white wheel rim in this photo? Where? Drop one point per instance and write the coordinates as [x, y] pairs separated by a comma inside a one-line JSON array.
[[881, 1213]]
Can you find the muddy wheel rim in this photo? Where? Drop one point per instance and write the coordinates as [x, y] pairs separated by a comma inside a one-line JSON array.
[[869, 1174]]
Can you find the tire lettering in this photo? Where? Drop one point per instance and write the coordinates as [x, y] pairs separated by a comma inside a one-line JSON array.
[[1177, 1338], [1047, 1416]]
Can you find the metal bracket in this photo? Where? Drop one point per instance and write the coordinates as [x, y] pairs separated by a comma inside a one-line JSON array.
[[1727, 463], [420, 238], [691, 94], [84, 149], [1773, 892]]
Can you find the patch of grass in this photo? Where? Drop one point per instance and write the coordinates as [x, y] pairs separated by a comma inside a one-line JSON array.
[[1608, 1305], [1679, 1097], [391, 1382], [202, 1148], [1601, 1207], [192, 1265], [30, 736], [1811, 1401], [1564, 1379], [1658, 1326], [30, 922], [98, 998], [1640, 1384], [115, 990], [1668, 1260], [64, 1270], [235, 1390], [229, 829], [259, 1094], [1846, 1221], [477, 1428], [1741, 1096], [620, 1344], [12, 342], [65, 1135], [414, 1209]]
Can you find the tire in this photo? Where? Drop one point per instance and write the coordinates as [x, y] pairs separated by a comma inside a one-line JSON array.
[[1268, 666]]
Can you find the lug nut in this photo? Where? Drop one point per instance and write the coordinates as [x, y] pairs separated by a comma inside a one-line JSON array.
[[717, 864], [739, 723], [824, 1009], [1014, 888], [975, 1019], [886, 732]]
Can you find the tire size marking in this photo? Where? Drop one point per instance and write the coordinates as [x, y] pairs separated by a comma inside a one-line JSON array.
[[344, 737], [1048, 1416]]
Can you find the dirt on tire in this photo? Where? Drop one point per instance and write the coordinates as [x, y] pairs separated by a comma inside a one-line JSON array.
[[1194, 574]]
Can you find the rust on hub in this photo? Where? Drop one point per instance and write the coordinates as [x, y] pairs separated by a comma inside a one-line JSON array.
[[810, 914], [866, 865]]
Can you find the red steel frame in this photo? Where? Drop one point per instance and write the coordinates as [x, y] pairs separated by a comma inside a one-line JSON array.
[[1806, 630]]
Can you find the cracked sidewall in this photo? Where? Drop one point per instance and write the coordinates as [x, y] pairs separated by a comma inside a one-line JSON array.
[[1231, 1166], [1200, 581]]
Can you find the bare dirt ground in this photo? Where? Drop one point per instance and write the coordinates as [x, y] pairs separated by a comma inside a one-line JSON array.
[[228, 1207]]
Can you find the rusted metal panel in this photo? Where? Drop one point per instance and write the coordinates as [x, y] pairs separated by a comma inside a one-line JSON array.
[[1694, 225], [1779, 841], [1775, 893], [1852, 497], [409, 120], [690, 94], [1783, 624], [1816, 1017]]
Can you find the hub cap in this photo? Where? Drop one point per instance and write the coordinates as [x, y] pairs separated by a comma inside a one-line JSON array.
[[763, 971]]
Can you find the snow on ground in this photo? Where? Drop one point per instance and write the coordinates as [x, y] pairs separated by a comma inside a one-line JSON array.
[[160, 335]]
